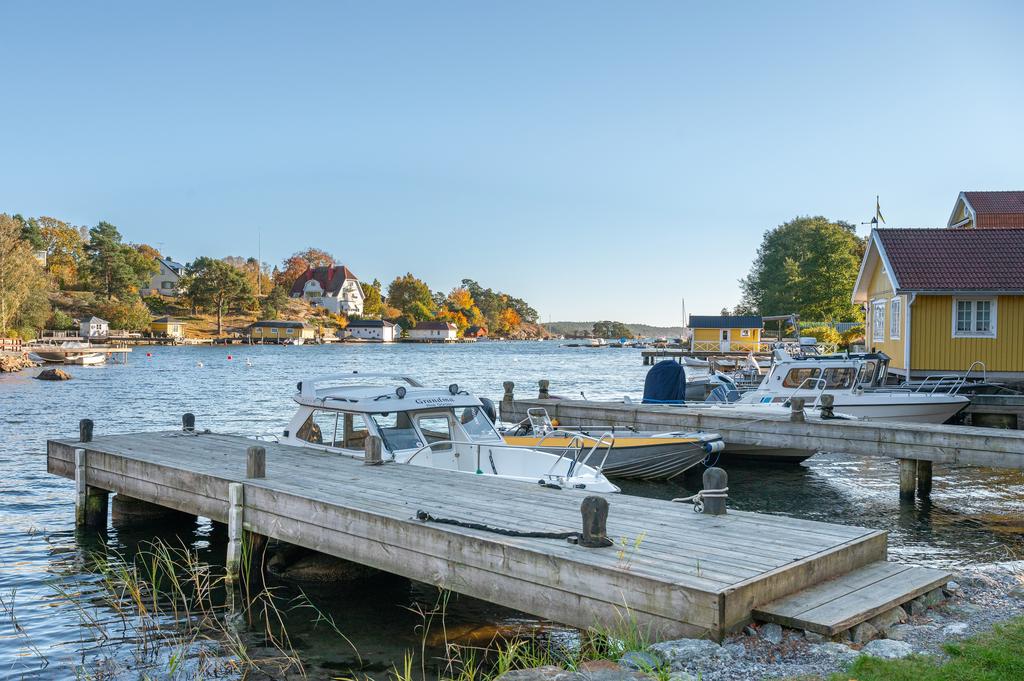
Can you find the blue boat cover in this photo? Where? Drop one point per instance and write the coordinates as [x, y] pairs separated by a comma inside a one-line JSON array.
[[665, 383]]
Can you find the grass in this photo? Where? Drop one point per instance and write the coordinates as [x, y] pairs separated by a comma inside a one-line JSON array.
[[994, 656]]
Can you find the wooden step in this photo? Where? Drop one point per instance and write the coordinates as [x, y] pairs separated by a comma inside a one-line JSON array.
[[834, 606]]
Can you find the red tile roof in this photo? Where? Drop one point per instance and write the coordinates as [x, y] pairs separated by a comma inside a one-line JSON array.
[[330, 278], [955, 259], [996, 210]]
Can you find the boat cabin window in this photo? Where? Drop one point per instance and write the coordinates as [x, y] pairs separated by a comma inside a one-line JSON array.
[[436, 428], [334, 429], [838, 378], [475, 423], [796, 377], [319, 428], [396, 431], [867, 373]]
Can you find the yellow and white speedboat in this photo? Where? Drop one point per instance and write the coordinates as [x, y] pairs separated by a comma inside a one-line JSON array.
[[632, 454]]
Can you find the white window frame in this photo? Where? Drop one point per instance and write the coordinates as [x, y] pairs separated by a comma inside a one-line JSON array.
[[895, 318], [744, 333], [878, 328], [974, 300]]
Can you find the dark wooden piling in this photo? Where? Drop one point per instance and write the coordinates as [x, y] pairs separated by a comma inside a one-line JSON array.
[[256, 462], [188, 422], [924, 479], [908, 479], [543, 389], [796, 406], [594, 510], [91, 503], [716, 481], [372, 449]]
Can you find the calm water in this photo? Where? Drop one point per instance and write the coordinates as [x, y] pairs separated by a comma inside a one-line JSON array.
[[976, 517]]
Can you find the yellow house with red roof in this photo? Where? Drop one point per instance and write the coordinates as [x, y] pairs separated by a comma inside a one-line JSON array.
[[941, 301]]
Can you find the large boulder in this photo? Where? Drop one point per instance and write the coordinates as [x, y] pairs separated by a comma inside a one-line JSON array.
[[53, 375]]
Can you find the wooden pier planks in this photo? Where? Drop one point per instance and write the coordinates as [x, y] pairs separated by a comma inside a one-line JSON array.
[[691, 575], [919, 441], [838, 604]]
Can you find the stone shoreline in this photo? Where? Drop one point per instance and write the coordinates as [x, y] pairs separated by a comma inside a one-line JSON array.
[[976, 600], [11, 363]]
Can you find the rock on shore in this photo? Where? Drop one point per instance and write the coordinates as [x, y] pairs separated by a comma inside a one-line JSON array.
[[9, 363], [53, 375]]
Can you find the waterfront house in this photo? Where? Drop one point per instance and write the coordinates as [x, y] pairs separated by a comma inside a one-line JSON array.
[[94, 327], [434, 331], [475, 331], [168, 327], [333, 288], [272, 331], [373, 330], [167, 281], [725, 333], [938, 300], [988, 210]]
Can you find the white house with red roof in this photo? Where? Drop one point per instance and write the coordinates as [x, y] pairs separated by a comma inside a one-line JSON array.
[[333, 288]]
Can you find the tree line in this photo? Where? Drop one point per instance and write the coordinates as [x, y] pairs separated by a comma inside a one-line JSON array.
[[43, 258]]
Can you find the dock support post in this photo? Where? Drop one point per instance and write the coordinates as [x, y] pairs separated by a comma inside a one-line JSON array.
[[908, 478], [542, 392], [90, 502], [188, 422], [924, 479], [796, 406], [372, 451], [256, 462], [509, 387], [235, 508]]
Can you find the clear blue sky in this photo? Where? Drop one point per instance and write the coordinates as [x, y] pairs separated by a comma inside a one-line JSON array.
[[601, 160]]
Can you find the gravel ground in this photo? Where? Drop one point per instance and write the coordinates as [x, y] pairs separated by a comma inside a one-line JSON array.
[[980, 598]]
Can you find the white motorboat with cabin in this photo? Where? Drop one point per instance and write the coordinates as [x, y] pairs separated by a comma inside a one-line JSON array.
[[446, 429], [857, 384]]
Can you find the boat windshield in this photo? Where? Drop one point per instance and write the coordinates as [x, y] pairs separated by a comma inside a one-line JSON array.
[[396, 431], [476, 424]]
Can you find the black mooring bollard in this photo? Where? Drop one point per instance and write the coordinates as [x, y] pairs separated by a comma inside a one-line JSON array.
[[85, 430], [542, 389], [188, 422], [595, 523]]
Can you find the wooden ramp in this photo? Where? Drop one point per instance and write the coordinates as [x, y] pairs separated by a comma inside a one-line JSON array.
[[675, 572], [838, 604]]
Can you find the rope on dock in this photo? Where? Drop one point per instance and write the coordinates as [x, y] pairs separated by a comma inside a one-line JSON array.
[[427, 518], [699, 497]]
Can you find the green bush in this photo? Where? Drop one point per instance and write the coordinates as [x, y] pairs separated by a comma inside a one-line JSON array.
[[132, 315], [61, 321], [824, 334], [853, 335], [156, 304]]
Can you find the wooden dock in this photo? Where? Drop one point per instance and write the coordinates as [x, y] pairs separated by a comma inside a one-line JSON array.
[[689, 575], [916, 445]]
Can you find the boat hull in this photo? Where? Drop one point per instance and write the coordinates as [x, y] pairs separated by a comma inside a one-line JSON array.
[[641, 458]]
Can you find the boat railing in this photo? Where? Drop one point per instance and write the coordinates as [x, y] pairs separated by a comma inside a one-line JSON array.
[[819, 384], [950, 384]]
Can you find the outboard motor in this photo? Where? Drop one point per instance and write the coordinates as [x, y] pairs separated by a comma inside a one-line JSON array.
[[665, 383]]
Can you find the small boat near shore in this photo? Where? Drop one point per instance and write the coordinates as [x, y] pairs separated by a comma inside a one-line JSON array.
[[633, 454], [445, 429], [68, 352]]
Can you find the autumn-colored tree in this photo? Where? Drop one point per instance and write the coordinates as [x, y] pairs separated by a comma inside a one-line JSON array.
[[23, 285], [129, 315], [299, 263], [509, 322], [147, 251], [65, 250]]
